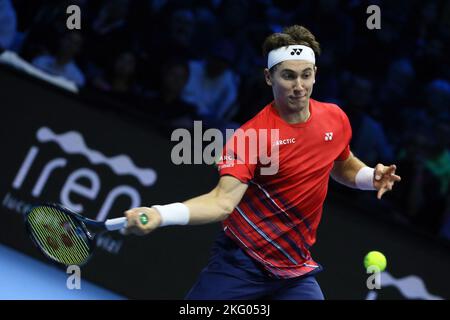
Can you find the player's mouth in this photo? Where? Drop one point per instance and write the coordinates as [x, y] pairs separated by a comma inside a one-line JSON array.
[[297, 98]]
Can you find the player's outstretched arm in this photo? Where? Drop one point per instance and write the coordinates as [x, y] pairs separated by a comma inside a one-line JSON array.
[[211, 207], [353, 173]]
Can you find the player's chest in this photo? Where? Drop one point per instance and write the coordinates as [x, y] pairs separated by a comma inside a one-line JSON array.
[[308, 148]]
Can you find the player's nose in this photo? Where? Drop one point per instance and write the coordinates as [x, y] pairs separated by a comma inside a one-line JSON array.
[[298, 84]]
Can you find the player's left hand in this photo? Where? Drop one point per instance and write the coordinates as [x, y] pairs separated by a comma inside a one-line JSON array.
[[384, 178]]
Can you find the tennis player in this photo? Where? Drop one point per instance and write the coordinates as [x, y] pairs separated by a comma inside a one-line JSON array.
[[270, 220]]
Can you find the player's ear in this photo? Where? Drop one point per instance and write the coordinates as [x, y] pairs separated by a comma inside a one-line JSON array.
[[268, 77], [315, 73]]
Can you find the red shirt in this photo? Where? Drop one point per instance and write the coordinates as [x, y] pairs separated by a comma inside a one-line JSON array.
[[277, 218]]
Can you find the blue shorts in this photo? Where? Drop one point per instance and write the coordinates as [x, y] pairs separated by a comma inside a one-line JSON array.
[[233, 275]]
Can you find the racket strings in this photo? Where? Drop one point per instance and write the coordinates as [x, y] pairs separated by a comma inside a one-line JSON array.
[[67, 239], [56, 234], [59, 236]]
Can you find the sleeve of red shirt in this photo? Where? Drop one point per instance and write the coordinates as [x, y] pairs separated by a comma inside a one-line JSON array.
[[347, 129], [237, 161]]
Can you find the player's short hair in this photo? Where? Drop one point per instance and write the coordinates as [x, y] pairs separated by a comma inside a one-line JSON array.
[[291, 36]]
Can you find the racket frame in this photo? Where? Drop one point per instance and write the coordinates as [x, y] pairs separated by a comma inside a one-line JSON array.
[[80, 221]]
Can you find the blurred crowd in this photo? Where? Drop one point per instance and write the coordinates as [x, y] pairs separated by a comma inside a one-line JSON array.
[[175, 61]]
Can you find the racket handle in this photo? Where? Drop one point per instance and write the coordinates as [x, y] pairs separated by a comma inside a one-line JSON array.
[[116, 224]]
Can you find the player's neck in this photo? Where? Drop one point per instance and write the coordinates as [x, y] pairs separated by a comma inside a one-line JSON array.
[[293, 116]]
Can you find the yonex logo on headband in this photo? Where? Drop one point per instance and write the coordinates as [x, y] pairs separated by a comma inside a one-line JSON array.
[[293, 52], [296, 51]]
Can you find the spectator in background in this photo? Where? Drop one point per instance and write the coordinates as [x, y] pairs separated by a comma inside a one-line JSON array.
[[108, 36], [277, 18], [181, 32], [166, 105], [119, 80], [213, 85], [250, 51], [111, 17], [398, 82], [395, 99], [8, 24], [369, 139], [42, 22], [333, 17], [206, 27], [234, 17], [62, 63], [438, 99], [425, 161], [330, 77], [430, 55], [174, 37], [381, 45], [253, 93], [238, 24], [438, 162]]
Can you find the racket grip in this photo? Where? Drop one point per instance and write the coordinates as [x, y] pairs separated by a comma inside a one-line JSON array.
[[116, 224]]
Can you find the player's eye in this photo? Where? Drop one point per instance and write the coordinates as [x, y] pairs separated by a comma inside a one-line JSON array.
[[289, 76], [306, 75]]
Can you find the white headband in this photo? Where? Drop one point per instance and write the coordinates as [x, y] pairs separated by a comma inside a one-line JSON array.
[[295, 52]]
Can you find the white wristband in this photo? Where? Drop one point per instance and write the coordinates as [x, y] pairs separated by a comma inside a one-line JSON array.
[[364, 179], [173, 214]]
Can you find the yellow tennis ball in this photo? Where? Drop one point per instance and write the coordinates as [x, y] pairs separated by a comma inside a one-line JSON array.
[[375, 258]]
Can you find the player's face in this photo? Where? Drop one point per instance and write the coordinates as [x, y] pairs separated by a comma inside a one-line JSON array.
[[292, 83]]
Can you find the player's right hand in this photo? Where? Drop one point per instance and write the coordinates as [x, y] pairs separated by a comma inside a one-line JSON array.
[[137, 226]]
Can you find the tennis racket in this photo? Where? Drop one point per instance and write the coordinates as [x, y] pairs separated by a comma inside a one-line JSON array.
[[64, 236]]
